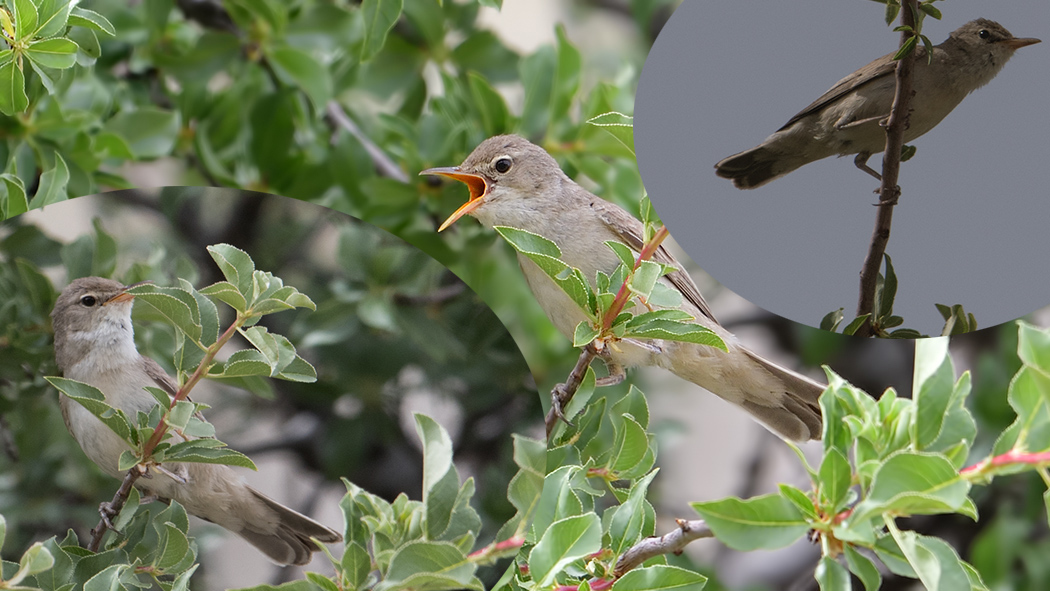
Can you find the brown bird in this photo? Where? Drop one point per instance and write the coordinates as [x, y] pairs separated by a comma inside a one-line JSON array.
[[518, 184], [94, 344], [849, 118]]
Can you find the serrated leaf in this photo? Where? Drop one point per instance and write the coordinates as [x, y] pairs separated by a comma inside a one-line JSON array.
[[660, 577], [236, 266], [92, 399], [58, 53], [562, 543], [203, 451], [766, 522], [677, 331]]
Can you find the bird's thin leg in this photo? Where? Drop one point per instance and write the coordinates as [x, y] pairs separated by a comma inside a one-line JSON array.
[[616, 375], [108, 512], [862, 163]]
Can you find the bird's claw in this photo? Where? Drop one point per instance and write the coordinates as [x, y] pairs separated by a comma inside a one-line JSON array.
[[558, 395], [108, 513]]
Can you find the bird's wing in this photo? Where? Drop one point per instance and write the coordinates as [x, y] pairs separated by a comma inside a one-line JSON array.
[[629, 231], [159, 376], [884, 66]]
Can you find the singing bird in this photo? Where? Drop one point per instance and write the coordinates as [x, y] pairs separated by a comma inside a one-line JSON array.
[[516, 183]]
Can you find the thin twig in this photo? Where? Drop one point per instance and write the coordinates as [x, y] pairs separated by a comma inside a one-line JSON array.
[[672, 542], [563, 393], [113, 508], [889, 192], [382, 162]]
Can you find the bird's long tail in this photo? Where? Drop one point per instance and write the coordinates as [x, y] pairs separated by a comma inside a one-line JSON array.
[[755, 167]]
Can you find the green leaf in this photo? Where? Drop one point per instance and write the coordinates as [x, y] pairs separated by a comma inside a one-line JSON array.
[[831, 576], [933, 381], [864, 568], [566, 77], [236, 266], [13, 97], [545, 254], [913, 483], [226, 292], [835, 477], [855, 324], [660, 577], [108, 579], [82, 17], [676, 331], [623, 252], [584, 334], [760, 523], [15, 203], [831, 320], [35, 560], [618, 125], [935, 562], [437, 452], [174, 545], [907, 47], [564, 542], [176, 305], [58, 53], [92, 399], [625, 527], [889, 290], [1033, 346], [207, 451], [419, 564], [630, 447], [25, 18], [53, 183], [379, 16], [148, 131], [495, 116], [301, 69]]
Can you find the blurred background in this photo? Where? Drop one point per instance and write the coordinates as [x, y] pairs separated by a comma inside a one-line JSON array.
[[302, 100]]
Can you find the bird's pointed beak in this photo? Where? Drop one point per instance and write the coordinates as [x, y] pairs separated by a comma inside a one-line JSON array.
[[1017, 43], [124, 296], [476, 183]]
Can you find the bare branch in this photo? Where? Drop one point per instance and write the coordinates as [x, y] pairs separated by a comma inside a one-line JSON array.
[[672, 542], [563, 393], [111, 509], [382, 162], [889, 192]]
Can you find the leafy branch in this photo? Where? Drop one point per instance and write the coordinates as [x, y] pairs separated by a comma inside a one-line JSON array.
[[881, 320], [252, 294], [911, 18]]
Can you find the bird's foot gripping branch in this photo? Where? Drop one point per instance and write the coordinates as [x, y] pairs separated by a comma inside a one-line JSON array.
[[612, 305]]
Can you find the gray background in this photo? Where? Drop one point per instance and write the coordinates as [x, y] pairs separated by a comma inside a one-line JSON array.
[[971, 226]]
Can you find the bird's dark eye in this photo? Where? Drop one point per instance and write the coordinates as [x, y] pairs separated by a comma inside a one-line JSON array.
[[502, 165], [984, 34], [88, 300]]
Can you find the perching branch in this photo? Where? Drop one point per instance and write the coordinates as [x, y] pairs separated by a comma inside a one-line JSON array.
[[672, 542], [114, 507], [889, 191], [382, 162], [562, 394]]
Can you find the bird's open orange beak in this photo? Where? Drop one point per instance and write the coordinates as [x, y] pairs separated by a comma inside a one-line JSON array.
[[124, 296], [476, 183], [1018, 43]]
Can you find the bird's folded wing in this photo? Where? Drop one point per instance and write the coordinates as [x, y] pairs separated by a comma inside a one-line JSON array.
[[629, 230]]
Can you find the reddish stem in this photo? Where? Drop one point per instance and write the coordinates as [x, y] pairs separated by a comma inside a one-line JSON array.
[[625, 293], [1010, 457]]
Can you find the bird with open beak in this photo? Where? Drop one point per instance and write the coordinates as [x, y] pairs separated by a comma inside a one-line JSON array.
[[513, 182]]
